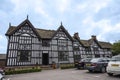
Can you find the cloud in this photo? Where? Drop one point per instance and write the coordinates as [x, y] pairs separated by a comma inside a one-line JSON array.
[[2, 44], [103, 28], [88, 17], [109, 12], [92, 6], [62, 5], [1, 37]]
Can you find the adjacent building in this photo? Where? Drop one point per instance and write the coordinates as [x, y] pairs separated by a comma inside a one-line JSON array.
[[90, 48], [28, 46], [2, 60]]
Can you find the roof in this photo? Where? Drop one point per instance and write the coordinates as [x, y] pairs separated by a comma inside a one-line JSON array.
[[85, 43], [11, 29], [49, 34], [43, 33], [46, 33], [105, 44], [2, 56], [101, 44]]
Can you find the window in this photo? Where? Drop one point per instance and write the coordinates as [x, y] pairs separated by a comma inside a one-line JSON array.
[[46, 43], [62, 45], [97, 55], [76, 45], [24, 48], [95, 49], [76, 48], [77, 57], [24, 56], [87, 50], [63, 56]]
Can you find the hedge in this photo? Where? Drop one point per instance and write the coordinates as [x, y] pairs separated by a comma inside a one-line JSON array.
[[66, 66], [22, 71]]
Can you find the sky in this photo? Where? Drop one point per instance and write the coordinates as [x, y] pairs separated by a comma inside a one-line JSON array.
[[87, 17]]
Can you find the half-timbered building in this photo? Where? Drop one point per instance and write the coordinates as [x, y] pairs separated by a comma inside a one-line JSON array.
[[29, 46], [90, 48]]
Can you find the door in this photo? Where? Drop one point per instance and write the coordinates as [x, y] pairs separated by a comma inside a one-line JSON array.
[[45, 60]]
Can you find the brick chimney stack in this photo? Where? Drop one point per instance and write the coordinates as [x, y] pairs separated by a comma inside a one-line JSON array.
[[76, 35], [93, 37]]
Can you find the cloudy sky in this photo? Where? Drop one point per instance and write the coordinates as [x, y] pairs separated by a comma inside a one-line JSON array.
[[88, 17]]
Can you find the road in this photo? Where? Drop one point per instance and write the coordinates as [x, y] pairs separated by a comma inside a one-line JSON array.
[[58, 74]]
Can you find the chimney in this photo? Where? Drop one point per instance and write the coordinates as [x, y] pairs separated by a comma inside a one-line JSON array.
[[93, 37], [76, 35]]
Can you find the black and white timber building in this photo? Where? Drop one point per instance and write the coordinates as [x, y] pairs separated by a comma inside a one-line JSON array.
[[28, 46]]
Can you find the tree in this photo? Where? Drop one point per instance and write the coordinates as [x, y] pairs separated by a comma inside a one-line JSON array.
[[116, 48]]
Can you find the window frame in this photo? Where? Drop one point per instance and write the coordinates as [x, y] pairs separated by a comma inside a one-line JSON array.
[[46, 43], [21, 57], [63, 56]]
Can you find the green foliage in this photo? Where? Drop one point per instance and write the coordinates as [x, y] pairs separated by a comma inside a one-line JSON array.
[[19, 71], [116, 48], [66, 66]]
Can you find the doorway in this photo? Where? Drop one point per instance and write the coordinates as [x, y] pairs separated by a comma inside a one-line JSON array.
[[45, 60]]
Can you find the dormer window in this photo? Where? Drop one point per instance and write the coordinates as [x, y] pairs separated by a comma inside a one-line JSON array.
[[46, 43]]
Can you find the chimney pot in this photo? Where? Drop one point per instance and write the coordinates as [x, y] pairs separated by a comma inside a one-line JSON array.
[[93, 37], [76, 35]]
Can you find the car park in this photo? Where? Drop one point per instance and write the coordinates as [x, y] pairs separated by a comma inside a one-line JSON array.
[[97, 64], [114, 66], [82, 63]]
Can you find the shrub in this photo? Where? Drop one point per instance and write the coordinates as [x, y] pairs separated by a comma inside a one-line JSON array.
[[19, 71], [66, 66]]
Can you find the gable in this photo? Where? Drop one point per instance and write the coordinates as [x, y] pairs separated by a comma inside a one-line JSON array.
[[24, 27], [62, 32], [78, 42], [25, 30], [94, 44]]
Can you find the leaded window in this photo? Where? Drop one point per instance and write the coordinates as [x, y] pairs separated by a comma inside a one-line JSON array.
[[24, 56], [46, 43], [24, 48], [63, 56], [95, 49], [62, 44], [77, 56], [87, 50]]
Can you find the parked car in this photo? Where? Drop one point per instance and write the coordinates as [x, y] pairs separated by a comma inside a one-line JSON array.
[[97, 64], [114, 66], [1, 76], [2, 71], [82, 62]]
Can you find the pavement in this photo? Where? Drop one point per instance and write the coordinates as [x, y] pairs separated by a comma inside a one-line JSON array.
[[58, 74]]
